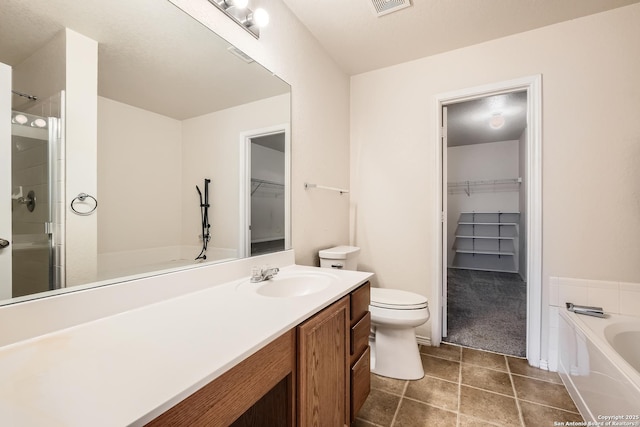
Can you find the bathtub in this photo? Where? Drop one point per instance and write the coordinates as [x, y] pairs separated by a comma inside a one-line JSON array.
[[599, 364]]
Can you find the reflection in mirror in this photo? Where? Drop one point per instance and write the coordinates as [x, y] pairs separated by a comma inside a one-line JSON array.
[[135, 104]]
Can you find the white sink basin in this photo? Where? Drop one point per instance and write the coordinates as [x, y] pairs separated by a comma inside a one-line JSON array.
[[290, 285]]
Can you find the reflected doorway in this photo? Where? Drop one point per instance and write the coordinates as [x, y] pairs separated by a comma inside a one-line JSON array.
[[265, 228]]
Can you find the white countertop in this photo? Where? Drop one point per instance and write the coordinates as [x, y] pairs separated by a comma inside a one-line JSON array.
[[128, 368]]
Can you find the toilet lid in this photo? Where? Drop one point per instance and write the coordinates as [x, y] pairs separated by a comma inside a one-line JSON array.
[[397, 299]]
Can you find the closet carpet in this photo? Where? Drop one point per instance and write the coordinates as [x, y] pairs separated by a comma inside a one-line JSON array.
[[487, 310]]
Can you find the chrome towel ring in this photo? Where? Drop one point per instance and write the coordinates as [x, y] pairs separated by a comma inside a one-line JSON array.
[[80, 199]]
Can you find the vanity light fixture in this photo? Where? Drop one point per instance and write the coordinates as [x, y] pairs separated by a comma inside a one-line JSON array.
[[496, 121], [25, 120], [237, 10]]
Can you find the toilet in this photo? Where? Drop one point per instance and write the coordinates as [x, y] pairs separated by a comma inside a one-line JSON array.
[[394, 316]]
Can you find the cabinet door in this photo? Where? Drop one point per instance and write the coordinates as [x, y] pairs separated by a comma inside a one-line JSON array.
[[323, 371]]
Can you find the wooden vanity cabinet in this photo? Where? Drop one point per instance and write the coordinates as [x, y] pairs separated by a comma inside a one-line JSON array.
[[323, 347], [333, 362], [360, 356]]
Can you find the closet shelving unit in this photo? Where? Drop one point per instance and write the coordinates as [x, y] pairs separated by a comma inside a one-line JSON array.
[[265, 184], [487, 241], [484, 186]]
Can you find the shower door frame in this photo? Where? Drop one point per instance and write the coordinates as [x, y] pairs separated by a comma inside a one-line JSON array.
[[533, 86], [5, 180]]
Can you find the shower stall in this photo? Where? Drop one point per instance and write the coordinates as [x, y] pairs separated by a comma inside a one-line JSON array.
[[37, 203]]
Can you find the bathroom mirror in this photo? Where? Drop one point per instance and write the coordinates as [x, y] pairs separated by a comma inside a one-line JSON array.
[[149, 132]]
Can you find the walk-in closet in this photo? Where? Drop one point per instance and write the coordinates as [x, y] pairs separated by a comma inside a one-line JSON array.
[[486, 223], [267, 227]]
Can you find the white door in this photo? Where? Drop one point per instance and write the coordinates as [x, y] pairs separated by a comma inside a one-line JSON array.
[[5, 181]]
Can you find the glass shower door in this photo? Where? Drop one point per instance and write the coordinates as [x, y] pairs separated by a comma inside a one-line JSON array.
[[33, 160]]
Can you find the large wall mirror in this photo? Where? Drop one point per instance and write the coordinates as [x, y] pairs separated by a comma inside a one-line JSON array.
[[141, 142]]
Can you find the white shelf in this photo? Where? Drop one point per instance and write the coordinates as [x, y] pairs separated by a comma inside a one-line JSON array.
[[484, 186], [492, 213], [486, 237], [482, 269], [484, 242], [487, 223], [484, 252]]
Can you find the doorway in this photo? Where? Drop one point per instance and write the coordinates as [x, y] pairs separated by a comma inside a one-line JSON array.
[[265, 191], [467, 222], [486, 211]]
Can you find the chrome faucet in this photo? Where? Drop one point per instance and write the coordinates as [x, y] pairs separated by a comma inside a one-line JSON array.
[[262, 274], [585, 309]]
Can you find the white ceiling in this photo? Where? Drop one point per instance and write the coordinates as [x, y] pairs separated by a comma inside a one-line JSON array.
[[359, 41], [468, 122]]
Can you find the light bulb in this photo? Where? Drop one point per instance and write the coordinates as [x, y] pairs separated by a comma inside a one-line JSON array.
[[21, 119], [260, 17], [496, 121], [39, 123]]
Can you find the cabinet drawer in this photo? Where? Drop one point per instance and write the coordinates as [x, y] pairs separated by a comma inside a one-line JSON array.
[[360, 382], [360, 302], [360, 334]]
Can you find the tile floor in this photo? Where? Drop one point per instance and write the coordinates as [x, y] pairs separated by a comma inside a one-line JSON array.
[[464, 387]]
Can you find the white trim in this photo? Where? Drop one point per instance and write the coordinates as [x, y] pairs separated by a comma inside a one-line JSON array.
[[244, 238], [423, 340], [533, 86]]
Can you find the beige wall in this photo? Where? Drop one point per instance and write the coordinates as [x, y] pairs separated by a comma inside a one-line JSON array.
[[320, 119], [81, 155], [149, 165], [211, 148], [42, 73], [139, 178], [591, 150]]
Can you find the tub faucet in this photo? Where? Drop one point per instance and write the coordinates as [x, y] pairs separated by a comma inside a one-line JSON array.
[[262, 274], [584, 309]]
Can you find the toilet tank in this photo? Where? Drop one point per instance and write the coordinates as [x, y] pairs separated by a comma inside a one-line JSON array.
[[340, 257]]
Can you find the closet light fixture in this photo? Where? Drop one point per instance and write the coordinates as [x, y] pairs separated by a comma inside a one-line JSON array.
[[496, 121], [237, 10]]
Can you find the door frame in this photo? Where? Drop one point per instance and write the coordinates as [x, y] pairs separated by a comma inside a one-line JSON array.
[[5, 181], [533, 86], [244, 237]]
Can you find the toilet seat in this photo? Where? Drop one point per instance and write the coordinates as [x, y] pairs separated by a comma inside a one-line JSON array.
[[396, 299]]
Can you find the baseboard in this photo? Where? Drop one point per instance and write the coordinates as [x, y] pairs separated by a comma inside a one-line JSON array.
[[423, 340], [544, 365]]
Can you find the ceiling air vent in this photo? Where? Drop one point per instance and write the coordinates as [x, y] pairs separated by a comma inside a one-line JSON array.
[[384, 7]]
